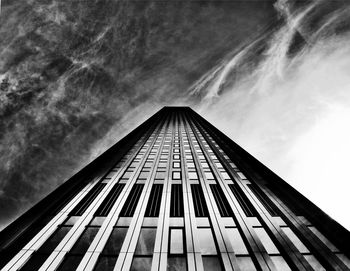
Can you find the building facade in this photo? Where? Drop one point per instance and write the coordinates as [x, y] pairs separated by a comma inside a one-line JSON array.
[[175, 194]]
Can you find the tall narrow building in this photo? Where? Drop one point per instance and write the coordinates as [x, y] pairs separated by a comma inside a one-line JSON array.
[[175, 194]]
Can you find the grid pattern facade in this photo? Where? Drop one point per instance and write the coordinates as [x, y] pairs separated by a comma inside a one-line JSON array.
[[177, 201]]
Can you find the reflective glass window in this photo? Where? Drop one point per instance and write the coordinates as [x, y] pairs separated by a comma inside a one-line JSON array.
[[141, 264], [324, 239], [236, 241], [176, 241], [280, 263], [266, 241], [296, 241], [105, 263], [176, 175], [70, 262], [84, 241], [176, 264], [192, 176], [245, 263], [145, 243], [314, 263], [206, 241], [115, 241], [211, 263]]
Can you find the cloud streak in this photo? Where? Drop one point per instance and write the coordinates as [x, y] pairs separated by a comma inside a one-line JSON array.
[[285, 98], [78, 75]]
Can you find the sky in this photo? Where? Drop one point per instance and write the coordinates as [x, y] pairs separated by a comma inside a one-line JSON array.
[[76, 78], [294, 117]]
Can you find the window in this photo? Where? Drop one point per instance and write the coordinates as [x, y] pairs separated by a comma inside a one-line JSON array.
[[314, 263], [221, 201], [176, 175], [76, 254], [39, 257], [160, 175], [84, 241], [211, 263], [245, 263], [266, 241], [141, 264], [176, 204], [70, 221], [280, 263], [81, 207], [209, 175], [265, 201], [295, 240], [144, 174], [109, 201], [105, 263], [145, 243], [177, 264], [115, 241], [241, 175], [127, 175], [132, 200], [176, 243], [324, 239], [70, 262], [225, 176], [190, 165], [200, 206], [243, 201], [154, 201], [236, 241], [192, 176], [176, 164], [206, 241]]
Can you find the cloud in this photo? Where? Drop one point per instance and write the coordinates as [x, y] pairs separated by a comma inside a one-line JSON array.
[[76, 77], [290, 105]]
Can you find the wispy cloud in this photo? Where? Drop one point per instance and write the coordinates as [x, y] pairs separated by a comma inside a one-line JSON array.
[[285, 98]]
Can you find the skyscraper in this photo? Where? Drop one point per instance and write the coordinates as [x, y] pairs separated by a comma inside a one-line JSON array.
[[175, 194]]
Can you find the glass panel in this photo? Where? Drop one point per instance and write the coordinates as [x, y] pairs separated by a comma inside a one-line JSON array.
[[236, 241], [85, 240], [115, 241], [141, 264], [190, 165], [35, 262], [324, 239], [209, 175], [70, 263], [71, 220], [295, 240], [345, 259], [177, 264], [266, 241], [145, 244], [54, 240], [211, 263], [314, 263], [245, 263], [241, 175], [280, 263], [176, 242], [192, 175], [206, 241], [97, 221], [176, 175], [105, 263]]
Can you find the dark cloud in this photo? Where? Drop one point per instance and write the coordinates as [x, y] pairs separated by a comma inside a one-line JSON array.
[[77, 75]]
